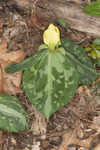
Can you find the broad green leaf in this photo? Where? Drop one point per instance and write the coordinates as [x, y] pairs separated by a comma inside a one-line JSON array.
[[12, 68], [97, 41], [50, 83], [93, 9], [82, 63], [13, 117], [61, 22]]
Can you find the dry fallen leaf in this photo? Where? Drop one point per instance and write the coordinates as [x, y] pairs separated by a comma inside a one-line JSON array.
[[73, 136], [1, 134], [97, 147], [9, 83], [70, 137]]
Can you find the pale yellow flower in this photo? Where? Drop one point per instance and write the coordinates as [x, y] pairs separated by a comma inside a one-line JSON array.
[[51, 37]]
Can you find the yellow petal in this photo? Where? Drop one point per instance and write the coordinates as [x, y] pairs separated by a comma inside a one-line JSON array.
[[51, 36]]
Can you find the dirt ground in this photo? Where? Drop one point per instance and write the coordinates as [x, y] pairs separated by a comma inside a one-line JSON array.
[[75, 126]]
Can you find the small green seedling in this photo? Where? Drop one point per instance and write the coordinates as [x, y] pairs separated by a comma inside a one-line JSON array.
[[62, 22], [93, 8], [93, 51]]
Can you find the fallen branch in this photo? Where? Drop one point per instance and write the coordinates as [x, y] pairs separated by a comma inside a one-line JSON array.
[[70, 10], [73, 13]]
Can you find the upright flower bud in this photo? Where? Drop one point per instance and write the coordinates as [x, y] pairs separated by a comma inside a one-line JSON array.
[[51, 37]]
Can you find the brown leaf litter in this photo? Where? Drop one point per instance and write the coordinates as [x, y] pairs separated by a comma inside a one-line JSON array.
[[9, 83], [81, 121], [77, 123]]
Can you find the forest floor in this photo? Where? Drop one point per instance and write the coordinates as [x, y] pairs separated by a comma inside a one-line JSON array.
[[75, 126]]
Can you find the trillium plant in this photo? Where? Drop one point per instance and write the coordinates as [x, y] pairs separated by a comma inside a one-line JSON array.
[[51, 76]]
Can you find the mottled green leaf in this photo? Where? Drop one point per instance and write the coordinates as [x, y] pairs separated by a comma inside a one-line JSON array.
[[12, 68], [81, 62], [13, 117], [50, 83], [61, 22], [93, 9]]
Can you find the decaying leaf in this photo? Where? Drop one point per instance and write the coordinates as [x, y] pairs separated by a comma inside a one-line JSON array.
[[97, 147], [39, 124], [9, 83], [89, 138], [1, 134], [70, 138]]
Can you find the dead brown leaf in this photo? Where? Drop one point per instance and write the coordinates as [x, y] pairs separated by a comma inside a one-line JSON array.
[[97, 147], [1, 134], [9, 83], [70, 137], [89, 138]]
